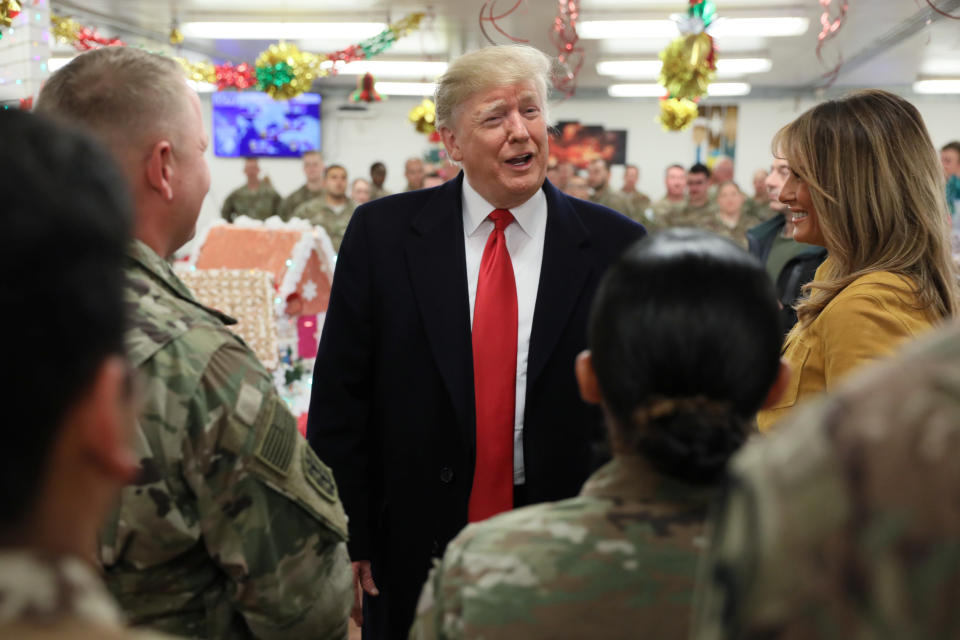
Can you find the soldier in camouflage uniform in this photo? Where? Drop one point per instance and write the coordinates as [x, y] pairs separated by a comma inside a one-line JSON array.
[[730, 221], [233, 528], [257, 199], [334, 209], [844, 523], [598, 177], [667, 207], [313, 189], [620, 560], [638, 203], [68, 405], [699, 212]]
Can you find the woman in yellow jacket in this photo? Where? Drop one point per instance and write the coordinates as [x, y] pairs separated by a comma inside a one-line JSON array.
[[865, 183]]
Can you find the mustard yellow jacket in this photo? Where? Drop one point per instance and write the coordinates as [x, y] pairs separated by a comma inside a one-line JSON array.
[[868, 319]]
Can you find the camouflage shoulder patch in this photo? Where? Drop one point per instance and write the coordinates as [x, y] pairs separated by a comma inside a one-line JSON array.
[[279, 441], [319, 475]]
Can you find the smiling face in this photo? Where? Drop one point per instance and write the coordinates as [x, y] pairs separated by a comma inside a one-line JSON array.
[[796, 195], [500, 137]]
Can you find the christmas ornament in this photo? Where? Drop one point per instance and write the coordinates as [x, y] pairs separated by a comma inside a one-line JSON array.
[[676, 114], [366, 90], [424, 117]]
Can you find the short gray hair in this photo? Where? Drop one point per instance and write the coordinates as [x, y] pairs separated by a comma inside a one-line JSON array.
[[119, 94], [496, 66]]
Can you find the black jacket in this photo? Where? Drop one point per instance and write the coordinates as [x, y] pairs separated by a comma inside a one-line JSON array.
[[392, 407], [798, 271]]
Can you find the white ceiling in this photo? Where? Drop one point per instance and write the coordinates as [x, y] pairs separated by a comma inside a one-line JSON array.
[[884, 42]]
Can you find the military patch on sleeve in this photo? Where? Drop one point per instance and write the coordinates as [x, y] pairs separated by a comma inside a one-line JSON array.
[[318, 475], [279, 443]]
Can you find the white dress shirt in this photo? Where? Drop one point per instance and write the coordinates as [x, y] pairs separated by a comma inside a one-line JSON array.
[[525, 245]]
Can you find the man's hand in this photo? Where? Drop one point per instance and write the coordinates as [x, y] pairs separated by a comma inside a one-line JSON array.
[[362, 581]]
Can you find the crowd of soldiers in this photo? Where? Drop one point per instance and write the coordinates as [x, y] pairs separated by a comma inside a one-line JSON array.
[[697, 197]]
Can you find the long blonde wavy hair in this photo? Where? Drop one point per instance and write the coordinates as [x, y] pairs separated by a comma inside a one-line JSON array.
[[877, 187]]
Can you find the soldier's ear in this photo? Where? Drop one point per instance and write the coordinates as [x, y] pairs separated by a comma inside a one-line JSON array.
[[159, 169], [779, 385], [104, 417], [587, 378]]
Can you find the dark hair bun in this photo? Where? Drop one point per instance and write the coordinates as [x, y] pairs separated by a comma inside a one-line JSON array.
[[693, 446]]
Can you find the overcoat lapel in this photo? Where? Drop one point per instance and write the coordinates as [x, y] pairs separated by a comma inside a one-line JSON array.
[[563, 274], [438, 274]]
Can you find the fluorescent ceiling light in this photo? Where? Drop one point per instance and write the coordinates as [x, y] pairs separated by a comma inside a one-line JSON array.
[[54, 64], [603, 29], [657, 91], [728, 89], [391, 68], [722, 28], [636, 91], [726, 67], [766, 27], [406, 88], [942, 67], [937, 86], [202, 87], [282, 30]]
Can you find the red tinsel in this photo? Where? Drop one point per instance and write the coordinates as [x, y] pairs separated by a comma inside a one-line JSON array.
[[242, 76], [565, 39], [88, 38]]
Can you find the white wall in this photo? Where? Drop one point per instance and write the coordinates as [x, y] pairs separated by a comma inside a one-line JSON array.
[[383, 133]]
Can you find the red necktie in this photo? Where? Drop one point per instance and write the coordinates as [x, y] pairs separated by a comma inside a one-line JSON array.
[[494, 374]]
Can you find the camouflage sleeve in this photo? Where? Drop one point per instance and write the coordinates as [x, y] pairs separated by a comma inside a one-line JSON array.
[[784, 492], [276, 202], [436, 616], [267, 506], [228, 209], [287, 205]]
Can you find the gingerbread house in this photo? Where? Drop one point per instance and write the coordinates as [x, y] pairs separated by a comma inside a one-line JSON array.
[[299, 255], [248, 295]]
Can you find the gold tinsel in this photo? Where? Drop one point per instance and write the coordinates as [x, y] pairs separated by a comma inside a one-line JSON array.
[[676, 114], [688, 66], [198, 71], [424, 116], [304, 68], [9, 9], [176, 35], [65, 29]]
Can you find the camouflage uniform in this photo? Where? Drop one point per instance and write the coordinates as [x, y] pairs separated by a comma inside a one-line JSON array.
[[297, 198], [845, 523], [619, 561], [377, 192], [609, 198], [234, 528], [665, 210], [756, 212], [260, 204], [637, 205], [737, 233], [49, 596], [697, 217], [321, 214]]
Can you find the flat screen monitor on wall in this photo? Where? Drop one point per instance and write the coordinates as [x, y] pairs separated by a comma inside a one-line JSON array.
[[249, 123]]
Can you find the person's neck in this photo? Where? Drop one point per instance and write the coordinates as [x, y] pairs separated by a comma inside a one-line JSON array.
[[630, 189], [335, 201], [699, 202], [731, 218], [254, 184], [675, 197], [315, 186]]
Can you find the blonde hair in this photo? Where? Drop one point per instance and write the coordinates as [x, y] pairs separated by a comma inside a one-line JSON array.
[[877, 188], [120, 94], [497, 66]]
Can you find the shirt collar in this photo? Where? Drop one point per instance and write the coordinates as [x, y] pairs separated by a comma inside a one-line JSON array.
[[476, 209]]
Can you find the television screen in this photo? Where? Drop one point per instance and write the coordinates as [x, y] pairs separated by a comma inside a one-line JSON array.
[[249, 123]]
